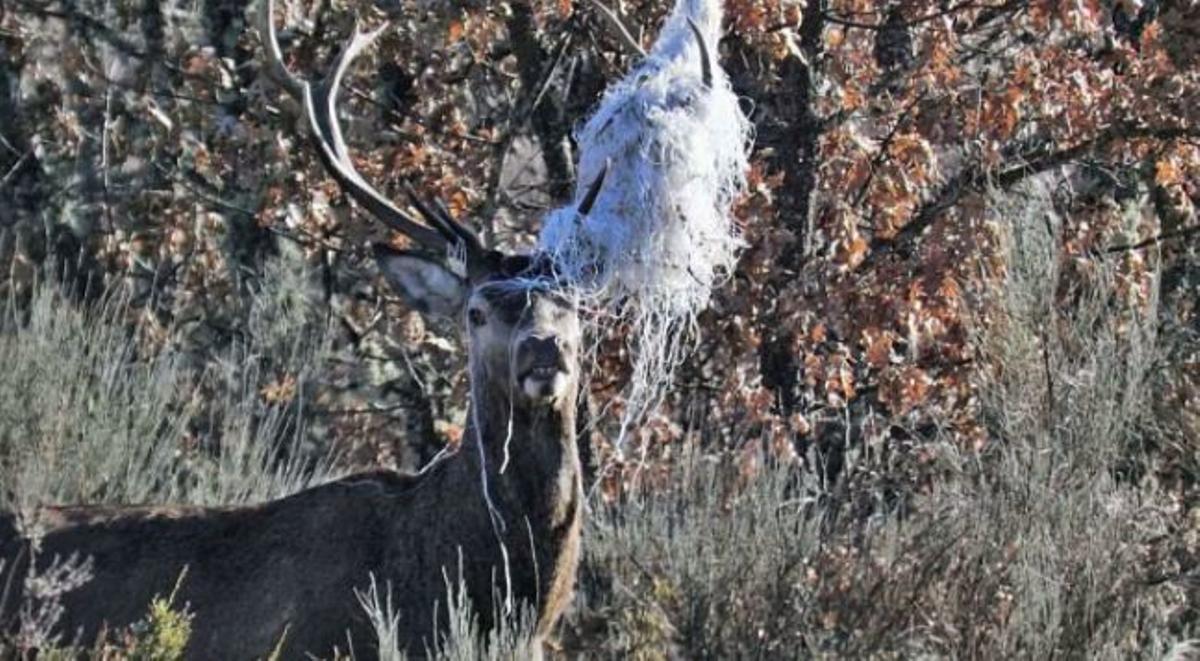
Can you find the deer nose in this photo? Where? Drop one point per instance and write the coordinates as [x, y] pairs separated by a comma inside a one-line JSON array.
[[542, 350]]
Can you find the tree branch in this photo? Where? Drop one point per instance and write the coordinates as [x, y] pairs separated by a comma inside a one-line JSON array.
[[1155, 240], [837, 19], [972, 180], [535, 70], [618, 28], [88, 25]]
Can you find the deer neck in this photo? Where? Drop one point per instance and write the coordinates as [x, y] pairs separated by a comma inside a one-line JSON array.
[[529, 454], [532, 495]]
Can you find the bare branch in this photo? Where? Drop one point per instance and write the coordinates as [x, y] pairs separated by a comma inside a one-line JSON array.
[[618, 28], [1155, 240], [977, 178]]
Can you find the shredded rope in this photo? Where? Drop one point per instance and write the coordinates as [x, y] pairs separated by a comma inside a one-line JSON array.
[[660, 236]]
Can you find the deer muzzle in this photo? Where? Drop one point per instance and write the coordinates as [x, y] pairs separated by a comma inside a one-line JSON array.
[[542, 370]]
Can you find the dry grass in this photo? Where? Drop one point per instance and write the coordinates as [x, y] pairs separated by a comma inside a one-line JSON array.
[[1047, 544], [90, 413], [510, 640], [1061, 539]]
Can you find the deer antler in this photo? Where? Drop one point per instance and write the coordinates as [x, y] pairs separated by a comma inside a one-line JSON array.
[[706, 73], [320, 108], [593, 191], [442, 233]]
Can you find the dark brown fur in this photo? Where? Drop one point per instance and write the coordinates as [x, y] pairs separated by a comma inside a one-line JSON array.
[[289, 569]]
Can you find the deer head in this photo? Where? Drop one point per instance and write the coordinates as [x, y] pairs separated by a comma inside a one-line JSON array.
[[519, 318], [521, 327]]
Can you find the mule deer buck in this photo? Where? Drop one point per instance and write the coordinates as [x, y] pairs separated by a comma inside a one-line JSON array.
[[501, 517]]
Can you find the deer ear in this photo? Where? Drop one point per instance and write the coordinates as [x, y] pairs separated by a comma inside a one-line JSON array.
[[426, 284]]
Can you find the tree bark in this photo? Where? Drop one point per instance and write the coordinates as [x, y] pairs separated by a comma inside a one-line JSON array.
[[796, 156], [547, 117]]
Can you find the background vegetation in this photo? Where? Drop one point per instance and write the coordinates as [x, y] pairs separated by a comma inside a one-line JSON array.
[[948, 404]]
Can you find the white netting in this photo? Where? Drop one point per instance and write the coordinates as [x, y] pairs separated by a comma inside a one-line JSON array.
[[660, 235]]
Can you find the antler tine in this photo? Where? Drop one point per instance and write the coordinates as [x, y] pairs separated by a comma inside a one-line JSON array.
[[330, 87], [469, 235], [295, 86], [320, 109], [706, 71], [370, 199], [440, 217], [589, 198]]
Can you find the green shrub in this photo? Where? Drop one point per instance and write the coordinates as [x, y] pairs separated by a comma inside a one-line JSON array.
[[163, 634], [701, 569]]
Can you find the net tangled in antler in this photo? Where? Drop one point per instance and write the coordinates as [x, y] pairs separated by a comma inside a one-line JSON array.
[[660, 235]]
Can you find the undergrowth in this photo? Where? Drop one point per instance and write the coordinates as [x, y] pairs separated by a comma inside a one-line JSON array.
[[91, 412], [511, 639], [1048, 543], [1057, 539]]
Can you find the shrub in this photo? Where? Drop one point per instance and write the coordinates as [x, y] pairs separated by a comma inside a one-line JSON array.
[[1044, 544], [162, 635], [511, 639], [91, 412]]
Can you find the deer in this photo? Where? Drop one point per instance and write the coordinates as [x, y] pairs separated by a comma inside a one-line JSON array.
[[501, 517]]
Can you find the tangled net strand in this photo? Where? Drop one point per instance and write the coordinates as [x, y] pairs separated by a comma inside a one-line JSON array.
[[660, 236]]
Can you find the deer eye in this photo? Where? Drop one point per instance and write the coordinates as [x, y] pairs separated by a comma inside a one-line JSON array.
[[476, 317]]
